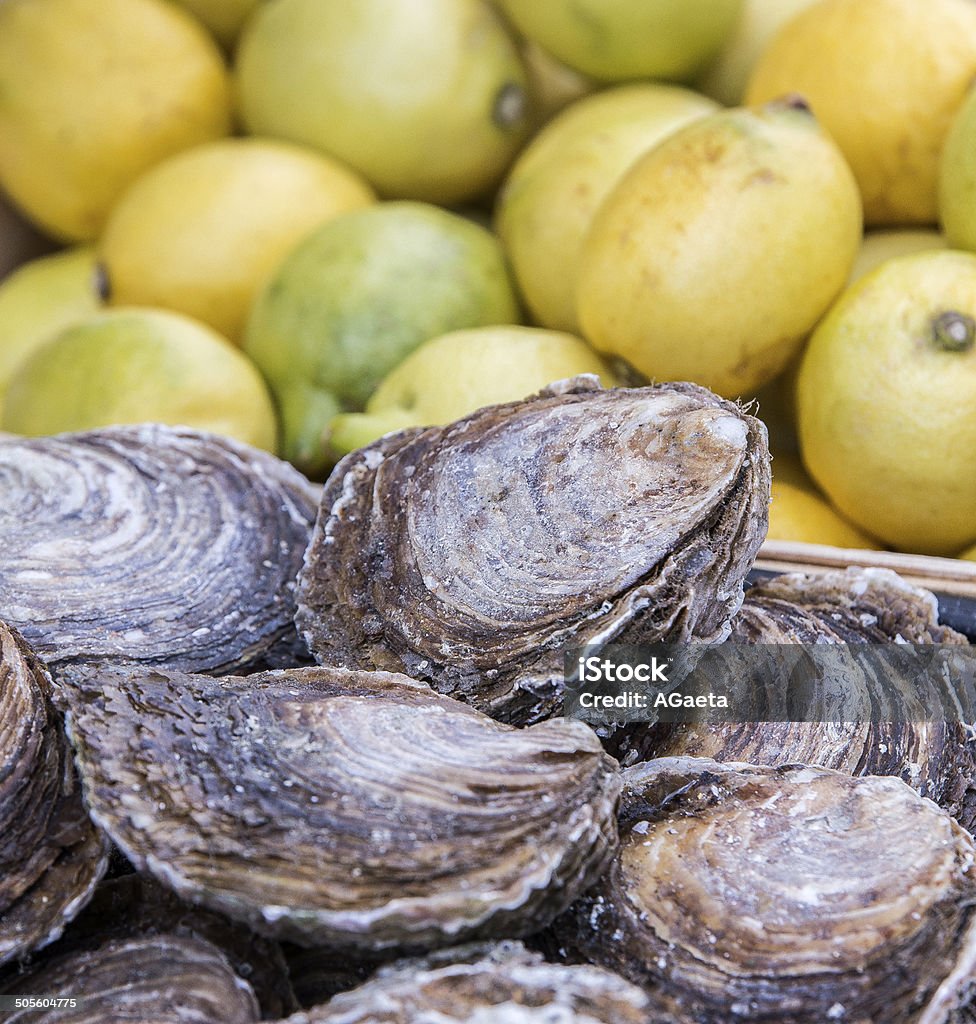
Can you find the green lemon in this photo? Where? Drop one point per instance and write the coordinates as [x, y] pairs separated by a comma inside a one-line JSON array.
[[135, 366], [355, 298]]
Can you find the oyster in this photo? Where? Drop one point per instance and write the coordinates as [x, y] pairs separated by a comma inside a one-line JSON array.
[[502, 983], [797, 895], [51, 856], [159, 544], [164, 979], [350, 809], [471, 555]]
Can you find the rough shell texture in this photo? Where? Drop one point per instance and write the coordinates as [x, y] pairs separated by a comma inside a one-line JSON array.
[[51, 856], [854, 606], [158, 544], [795, 894], [503, 984], [471, 555], [165, 979], [329, 807]]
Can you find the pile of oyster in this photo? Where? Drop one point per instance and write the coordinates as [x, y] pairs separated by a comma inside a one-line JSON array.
[[271, 752]]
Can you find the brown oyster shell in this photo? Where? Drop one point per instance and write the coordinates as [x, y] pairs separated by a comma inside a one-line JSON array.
[[472, 555], [163, 979], [794, 894], [502, 983], [852, 606], [152, 543], [51, 856], [350, 809]]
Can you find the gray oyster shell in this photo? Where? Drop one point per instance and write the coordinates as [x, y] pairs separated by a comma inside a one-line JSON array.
[[471, 555], [51, 855], [797, 894], [329, 807], [152, 543]]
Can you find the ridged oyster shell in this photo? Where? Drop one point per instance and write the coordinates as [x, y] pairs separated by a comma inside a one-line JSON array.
[[798, 894], [51, 856], [151, 543], [471, 555], [349, 809]]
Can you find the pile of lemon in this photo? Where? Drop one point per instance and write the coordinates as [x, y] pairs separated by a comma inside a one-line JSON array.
[[305, 224]]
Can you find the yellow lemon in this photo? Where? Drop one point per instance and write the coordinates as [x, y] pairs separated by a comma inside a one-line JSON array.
[[454, 374], [40, 299], [614, 40], [886, 402], [427, 100], [200, 232], [224, 18], [969, 554], [559, 180], [885, 78], [880, 245], [136, 366], [797, 514], [92, 94], [957, 177], [719, 249]]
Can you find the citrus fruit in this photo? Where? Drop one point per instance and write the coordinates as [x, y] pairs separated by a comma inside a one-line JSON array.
[[224, 18], [136, 366], [559, 180], [797, 514], [719, 249], [200, 232], [957, 177], [885, 78], [427, 100], [614, 40], [41, 298], [92, 94], [452, 375], [886, 395], [969, 554], [880, 245], [356, 297]]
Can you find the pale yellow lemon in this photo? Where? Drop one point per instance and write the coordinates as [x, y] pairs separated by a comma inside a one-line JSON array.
[[795, 513], [880, 245]]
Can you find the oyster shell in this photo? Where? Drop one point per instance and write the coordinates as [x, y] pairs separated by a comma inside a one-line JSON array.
[[472, 555], [503, 983], [165, 979], [350, 809], [159, 544], [51, 856], [795, 895]]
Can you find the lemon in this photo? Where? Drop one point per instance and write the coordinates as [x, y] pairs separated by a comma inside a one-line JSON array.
[[559, 180], [454, 374], [797, 514], [720, 248], [356, 297], [92, 94], [885, 78], [957, 177], [200, 232], [613, 40], [427, 100], [135, 366], [224, 18], [40, 299], [880, 245], [886, 395], [969, 554]]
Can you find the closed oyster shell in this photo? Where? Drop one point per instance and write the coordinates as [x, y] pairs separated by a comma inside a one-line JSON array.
[[472, 555], [502, 983], [51, 856], [152, 543], [795, 895], [165, 979], [350, 809]]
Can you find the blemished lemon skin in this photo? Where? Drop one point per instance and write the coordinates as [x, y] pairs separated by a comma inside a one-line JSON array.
[[719, 249], [885, 78], [796, 513], [426, 100], [556, 185], [93, 94], [452, 375], [617, 40], [885, 409], [201, 232], [137, 366]]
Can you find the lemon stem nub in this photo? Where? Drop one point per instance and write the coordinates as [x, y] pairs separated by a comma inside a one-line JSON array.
[[509, 107], [954, 332]]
